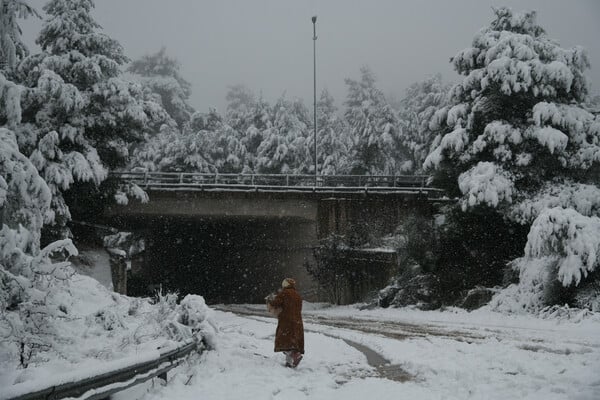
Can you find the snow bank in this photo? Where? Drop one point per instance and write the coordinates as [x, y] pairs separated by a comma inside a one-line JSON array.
[[99, 330]]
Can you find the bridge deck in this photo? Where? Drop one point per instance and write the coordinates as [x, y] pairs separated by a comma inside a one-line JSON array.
[[323, 184]]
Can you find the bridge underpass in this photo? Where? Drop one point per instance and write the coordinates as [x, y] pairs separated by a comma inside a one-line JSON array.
[[233, 245], [225, 259]]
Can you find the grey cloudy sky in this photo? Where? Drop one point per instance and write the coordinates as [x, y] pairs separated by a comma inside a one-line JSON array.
[[267, 44]]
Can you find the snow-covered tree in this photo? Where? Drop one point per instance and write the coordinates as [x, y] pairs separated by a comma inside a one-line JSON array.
[[223, 149], [375, 129], [151, 155], [333, 139], [240, 104], [46, 309], [163, 84], [78, 116], [250, 117], [12, 49], [284, 148], [27, 275], [10, 102], [416, 109], [208, 144], [516, 139]]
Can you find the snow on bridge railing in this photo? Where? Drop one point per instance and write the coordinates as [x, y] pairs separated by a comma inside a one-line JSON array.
[[112, 378], [280, 182]]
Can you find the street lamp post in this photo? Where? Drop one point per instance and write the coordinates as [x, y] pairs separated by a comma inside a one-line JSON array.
[[314, 21]]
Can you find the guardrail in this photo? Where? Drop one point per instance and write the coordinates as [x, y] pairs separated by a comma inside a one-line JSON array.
[[279, 182], [103, 385]]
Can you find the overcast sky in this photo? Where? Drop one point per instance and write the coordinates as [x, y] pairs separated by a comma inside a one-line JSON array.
[[267, 44]]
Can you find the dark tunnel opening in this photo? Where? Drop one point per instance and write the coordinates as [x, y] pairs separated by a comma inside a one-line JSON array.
[[226, 260]]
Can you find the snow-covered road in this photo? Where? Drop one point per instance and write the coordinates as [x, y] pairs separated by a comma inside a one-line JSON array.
[[432, 355]]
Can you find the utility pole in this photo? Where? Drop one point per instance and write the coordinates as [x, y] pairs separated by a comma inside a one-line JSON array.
[[314, 21]]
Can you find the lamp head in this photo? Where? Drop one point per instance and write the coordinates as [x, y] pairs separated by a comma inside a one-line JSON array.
[[314, 19]]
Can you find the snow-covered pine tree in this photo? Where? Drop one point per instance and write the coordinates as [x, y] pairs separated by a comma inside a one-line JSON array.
[[284, 148], [375, 129], [516, 140], [10, 102], [333, 139], [78, 116], [207, 144], [151, 154], [222, 147], [28, 278], [163, 83], [240, 104], [12, 49], [302, 139], [213, 146], [250, 117], [416, 109], [25, 200]]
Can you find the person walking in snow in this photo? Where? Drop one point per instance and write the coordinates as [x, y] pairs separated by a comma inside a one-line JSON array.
[[289, 336]]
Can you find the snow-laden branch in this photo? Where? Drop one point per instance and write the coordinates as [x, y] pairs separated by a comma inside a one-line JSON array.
[[572, 238]]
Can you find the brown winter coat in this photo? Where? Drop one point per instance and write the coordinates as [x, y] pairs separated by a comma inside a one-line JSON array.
[[290, 331]]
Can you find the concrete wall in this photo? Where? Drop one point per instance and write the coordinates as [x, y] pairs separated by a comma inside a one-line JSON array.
[[221, 204], [375, 216]]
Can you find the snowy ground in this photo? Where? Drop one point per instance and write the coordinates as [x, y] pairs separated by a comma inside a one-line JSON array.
[[99, 331], [432, 355], [94, 262]]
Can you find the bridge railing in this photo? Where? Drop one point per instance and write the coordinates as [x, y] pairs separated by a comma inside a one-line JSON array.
[[283, 180]]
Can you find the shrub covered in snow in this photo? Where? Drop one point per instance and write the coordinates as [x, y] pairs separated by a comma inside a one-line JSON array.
[[569, 237], [71, 322], [195, 314], [420, 290]]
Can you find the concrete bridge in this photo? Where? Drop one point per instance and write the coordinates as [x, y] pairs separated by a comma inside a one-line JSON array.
[[268, 223]]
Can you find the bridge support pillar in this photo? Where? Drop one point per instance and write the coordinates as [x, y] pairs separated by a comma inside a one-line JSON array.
[[332, 217], [118, 270]]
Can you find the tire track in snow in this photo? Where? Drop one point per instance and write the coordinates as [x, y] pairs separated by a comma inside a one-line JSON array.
[[382, 365]]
